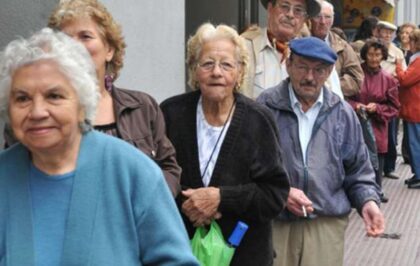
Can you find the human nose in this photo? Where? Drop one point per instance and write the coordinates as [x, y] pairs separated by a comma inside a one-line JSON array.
[[290, 12], [217, 69], [39, 109], [309, 74]]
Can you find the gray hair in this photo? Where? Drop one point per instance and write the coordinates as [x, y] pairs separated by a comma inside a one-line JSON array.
[[208, 32], [327, 4], [72, 58]]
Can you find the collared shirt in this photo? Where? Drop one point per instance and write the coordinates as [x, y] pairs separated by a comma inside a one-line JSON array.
[[306, 120], [270, 69], [333, 81]]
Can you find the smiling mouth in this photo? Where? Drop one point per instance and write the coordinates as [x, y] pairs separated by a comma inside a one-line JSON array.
[[39, 130]]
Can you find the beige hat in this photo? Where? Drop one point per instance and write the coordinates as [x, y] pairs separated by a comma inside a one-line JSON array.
[[386, 25], [312, 7]]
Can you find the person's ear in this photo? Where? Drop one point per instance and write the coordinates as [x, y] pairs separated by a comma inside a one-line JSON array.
[[110, 53], [288, 65]]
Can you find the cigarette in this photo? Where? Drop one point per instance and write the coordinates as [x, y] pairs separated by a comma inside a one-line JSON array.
[[304, 211]]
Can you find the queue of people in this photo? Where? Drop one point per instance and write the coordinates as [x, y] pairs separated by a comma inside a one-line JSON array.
[[269, 135]]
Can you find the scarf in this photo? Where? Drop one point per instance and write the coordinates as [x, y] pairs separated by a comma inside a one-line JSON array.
[[281, 47]]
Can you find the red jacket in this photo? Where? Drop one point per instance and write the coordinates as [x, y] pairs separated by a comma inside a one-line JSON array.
[[409, 92], [380, 88]]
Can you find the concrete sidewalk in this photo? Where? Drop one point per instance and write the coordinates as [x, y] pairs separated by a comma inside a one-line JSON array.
[[402, 216]]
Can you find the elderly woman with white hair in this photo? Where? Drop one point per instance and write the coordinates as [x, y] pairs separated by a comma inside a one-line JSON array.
[[227, 146], [70, 195]]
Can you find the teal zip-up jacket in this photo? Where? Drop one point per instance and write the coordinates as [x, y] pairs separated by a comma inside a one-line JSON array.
[[121, 211], [338, 174]]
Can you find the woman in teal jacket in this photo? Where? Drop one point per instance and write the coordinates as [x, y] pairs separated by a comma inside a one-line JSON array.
[[70, 195]]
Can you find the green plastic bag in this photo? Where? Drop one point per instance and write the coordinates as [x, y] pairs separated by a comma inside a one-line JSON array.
[[209, 246]]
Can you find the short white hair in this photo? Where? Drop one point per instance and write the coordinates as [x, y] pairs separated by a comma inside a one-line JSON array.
[[71, 57], [208, 32], [325, 3]]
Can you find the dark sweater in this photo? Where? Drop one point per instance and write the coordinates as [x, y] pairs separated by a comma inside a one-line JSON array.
[[249, 171]]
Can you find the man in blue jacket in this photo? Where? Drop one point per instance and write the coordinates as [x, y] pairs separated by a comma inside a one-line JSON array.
[[327, 161]]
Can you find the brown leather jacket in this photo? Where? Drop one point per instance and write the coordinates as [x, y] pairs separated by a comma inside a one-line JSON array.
[[140, 122]]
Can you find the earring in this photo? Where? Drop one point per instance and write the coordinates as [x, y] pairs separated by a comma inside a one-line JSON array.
[[108, 82], [109, 78]]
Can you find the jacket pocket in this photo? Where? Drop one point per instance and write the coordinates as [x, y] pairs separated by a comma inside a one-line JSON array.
[[145, 144]]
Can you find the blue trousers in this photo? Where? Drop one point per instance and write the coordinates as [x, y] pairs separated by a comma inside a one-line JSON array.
[[413, 134]]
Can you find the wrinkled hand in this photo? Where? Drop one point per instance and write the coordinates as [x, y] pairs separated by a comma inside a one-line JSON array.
[[360, 106], [371, 108], [296, 200], [373, 219], [361, 110], [201, 205]]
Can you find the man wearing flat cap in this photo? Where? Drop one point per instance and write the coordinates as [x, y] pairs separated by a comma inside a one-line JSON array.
[[327, 161], [386, 32], [268, 47]]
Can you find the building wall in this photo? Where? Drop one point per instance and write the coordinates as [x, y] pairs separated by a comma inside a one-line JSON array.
[[407, 11], [154, 33]]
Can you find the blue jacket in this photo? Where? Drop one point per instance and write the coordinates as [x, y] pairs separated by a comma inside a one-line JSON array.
[[338, 174], [121, 211]]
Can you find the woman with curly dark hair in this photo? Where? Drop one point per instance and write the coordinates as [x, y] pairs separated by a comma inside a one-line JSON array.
[[366, 30]]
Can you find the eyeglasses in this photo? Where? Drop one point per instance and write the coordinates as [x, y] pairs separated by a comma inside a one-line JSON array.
[[317, 71], [209, 65], [298, 11], [324, 17]]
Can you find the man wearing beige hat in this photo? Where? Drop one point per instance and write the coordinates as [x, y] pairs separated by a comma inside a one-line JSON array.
[[386, 32], [268, 46]]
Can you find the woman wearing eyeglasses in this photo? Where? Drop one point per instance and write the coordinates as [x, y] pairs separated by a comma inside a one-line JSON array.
[[227, 146]]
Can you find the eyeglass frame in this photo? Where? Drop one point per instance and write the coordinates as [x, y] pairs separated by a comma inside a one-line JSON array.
[[285, 8], [319, 71], [219, 63], [325, 17]]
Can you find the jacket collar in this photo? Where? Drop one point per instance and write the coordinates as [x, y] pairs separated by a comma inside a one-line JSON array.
[[279, 98], [123, 99], [336, 42]]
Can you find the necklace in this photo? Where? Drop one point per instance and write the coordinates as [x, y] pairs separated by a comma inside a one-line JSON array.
[[218, 139]]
